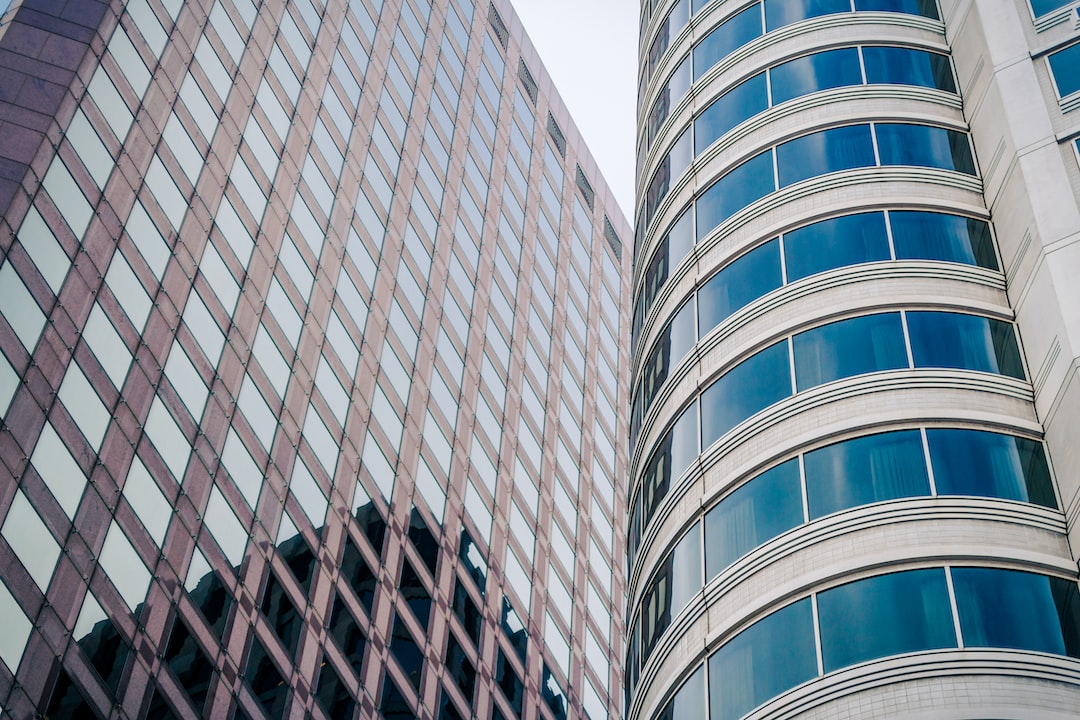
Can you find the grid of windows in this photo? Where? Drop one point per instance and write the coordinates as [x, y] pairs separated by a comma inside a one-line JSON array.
[[264, 346]]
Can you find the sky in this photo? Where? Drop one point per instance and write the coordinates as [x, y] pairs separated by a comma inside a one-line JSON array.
[[590, 50]]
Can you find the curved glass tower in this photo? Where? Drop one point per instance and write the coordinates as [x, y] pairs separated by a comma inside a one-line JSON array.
[[850, 495]]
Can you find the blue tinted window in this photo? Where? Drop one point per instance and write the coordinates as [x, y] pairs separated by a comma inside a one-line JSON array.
[[924, 146], [935, 236], [673, 456], [726, 38], [1065, 64], [885, 615], [672, 166], [926, 8], [676, 581], [771, 656], [865, 470], [760, 510], [969, 342], [1008, 609], [737, 285], [689, 700], [669, 97], [748, 182], [1045, 7], [849, 347], [779, 13], [824, 152], [901, 66], [986, 464], [752, 385], [739, 103], [835, 243], [678, 337], [821, 71]]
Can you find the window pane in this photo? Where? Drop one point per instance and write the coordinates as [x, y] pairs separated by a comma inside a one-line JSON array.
[[771, 656], [885, 615], [1065, 65], [834, 243], [750, 386], [674, 454], [741, 102], [740, 187], [901, 66], [969, 342], [760, 510], [924, 146], [865, 470], [821, 71], [986, 464], [737, 285], [935, 236], [779, 13], [926, 8], [1045, 7], [1011, 609], [824, 152], [677, 580], [689, 700], [849, 347], [726, 38]]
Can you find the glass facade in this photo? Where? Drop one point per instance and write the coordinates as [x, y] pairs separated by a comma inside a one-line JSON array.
[[313, 331]]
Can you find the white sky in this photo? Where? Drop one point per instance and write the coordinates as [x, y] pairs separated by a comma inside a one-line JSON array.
[[590, 50]]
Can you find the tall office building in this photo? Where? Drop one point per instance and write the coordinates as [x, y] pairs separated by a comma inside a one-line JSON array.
[[312, 357], [854, 480]]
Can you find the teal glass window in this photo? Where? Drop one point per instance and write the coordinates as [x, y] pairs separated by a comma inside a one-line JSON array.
[[820, 71], [779, 13], [968, 342], [673, 456], [726, 38], [885, 615], [1012, 609], [865, 470], [986, 464], [689, 700], [855, 346], [903, 66], [827, 151], [1045, 7], [676, 581], [834, 243], [1065, 67], [751, 386], [678, 337], [743, 101], [746, 183], [926, 8], [923, 146], [744, 280], [771, 656], [936, 236], [767, 506]]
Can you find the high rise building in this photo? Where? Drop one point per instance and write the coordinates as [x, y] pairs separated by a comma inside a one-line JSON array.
[[313, 356], [854, 482]]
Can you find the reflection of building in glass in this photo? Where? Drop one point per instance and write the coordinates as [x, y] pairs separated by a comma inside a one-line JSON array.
[[853, 491], [311, 349]]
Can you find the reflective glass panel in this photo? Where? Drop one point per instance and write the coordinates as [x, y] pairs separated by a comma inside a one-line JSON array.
[[986, 464], [763, 508], [779, 13], [935, 236], [1045, 7], [834, 243], [748, 182], [1013, 609], [902, 66], [689, 700], [741, 102], [849, 347], [821, 71], [885, 615], [771, 656], [752, 385], [674, 454], [841, 148], [968, 342], [737, 285], [731, 35], [922, 146], [1065, 66], [865, 470], [926, 8]]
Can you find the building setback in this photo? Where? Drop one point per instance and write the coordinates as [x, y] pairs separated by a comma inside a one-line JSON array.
[[313, 354], [854, 480]]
